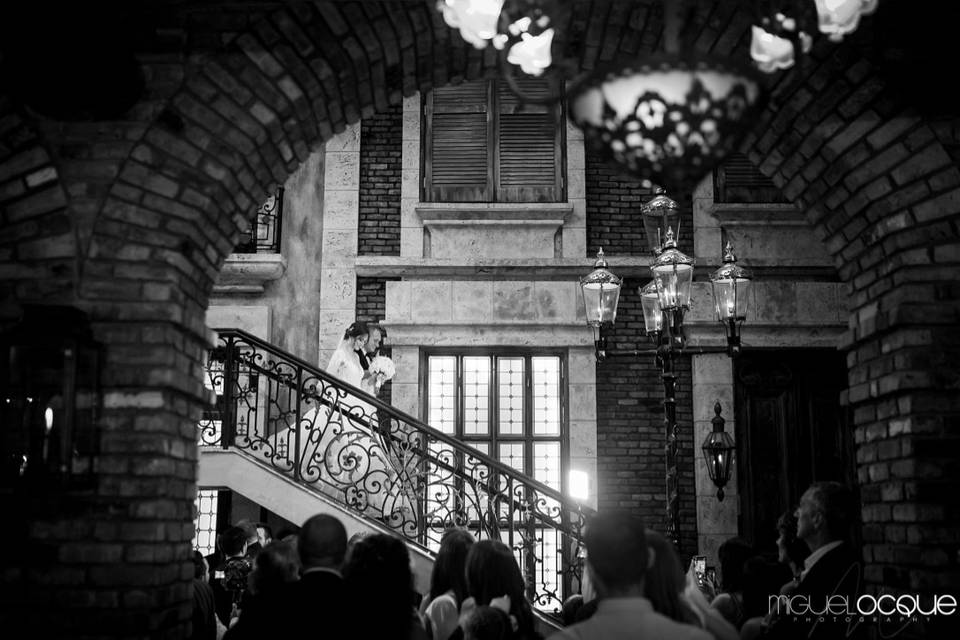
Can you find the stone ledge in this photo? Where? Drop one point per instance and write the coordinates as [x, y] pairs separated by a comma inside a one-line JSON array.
[[505, 268], [245, 273], [518, 213]]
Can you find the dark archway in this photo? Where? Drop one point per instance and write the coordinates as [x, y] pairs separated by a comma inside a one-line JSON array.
[[131, 219]]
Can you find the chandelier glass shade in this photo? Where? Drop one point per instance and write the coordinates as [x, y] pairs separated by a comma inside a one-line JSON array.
[[601, 294], [837, 18], [669, 121]]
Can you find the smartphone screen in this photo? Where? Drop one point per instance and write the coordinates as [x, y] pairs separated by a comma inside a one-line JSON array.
[[700, 566]]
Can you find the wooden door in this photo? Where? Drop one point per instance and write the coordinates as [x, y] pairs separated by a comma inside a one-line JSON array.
[[791, 431]]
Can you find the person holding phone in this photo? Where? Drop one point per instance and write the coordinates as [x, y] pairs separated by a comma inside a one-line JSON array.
[[733, 553]]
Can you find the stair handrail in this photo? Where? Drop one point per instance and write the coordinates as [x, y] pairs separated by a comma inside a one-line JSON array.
[[415, 422]]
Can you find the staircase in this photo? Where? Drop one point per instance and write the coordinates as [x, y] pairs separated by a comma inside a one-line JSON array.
[[298, 441]]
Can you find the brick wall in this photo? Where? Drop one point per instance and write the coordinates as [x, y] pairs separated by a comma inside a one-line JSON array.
[[380, 151], [630, 430], [613, 212]]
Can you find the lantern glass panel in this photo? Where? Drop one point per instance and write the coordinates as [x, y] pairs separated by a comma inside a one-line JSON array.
[[673, 285], [731, 296], [600, 302], [718, 453], [652, 316]]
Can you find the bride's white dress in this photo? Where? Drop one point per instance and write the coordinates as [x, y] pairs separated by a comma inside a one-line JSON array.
[[341, 450]]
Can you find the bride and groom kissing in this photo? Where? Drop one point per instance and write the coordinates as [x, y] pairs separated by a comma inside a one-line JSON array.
[[357, 361]]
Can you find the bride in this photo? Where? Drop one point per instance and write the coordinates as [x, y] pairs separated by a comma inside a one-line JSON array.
[[340, 444]]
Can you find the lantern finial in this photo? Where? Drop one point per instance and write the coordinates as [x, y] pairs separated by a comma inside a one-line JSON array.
[[728, 255]]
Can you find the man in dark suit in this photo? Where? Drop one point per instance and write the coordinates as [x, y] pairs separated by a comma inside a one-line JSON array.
[[313, 607], [832, 568]]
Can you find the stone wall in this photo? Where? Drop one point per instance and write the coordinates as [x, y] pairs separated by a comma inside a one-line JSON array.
[[380, 156]]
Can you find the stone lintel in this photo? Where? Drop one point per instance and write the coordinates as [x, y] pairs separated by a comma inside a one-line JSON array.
[[488, 268], [249, 272]]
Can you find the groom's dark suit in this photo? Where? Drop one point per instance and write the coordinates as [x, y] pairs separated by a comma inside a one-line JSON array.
[[836, 573]]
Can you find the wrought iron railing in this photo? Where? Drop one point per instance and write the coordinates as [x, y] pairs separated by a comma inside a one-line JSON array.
[[386, 465], [263, 236]]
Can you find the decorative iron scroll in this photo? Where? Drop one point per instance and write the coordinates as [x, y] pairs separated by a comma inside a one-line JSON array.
[[263, 236], [386, 465]]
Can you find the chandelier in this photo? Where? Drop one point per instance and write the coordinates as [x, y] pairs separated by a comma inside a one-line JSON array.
[[669, 118]]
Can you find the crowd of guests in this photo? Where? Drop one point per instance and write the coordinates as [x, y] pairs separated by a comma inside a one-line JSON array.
[[317, 583]]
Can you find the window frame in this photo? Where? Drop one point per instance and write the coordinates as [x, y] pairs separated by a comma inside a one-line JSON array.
[[493, 438], [493, 192]]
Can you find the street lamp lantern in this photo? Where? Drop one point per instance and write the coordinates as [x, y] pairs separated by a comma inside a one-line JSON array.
[[673, 275], [659, 214], [601, 293], [652, 315], [731, 289], [718, 451]]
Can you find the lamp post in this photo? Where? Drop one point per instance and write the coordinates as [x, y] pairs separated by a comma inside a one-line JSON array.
[[665, 301]]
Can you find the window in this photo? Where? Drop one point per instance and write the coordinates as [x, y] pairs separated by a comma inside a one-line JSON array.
[[479, 148], [205, 527], [512, 408], [738, 180]]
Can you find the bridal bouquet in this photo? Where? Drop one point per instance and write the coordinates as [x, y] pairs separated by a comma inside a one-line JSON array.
[[383, 367]]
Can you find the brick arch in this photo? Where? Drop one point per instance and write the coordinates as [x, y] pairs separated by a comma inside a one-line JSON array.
[[132, 221]]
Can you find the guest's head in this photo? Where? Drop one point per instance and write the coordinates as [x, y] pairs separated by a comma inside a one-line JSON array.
[[449, 568], [233, 542], [617, 554], [264, 534], [733, 553], [487, 623], [791, 550], [377, 570], [276, 564], [375, 338], [665, 580], [357, 334], [492, 572], [569, 609], [825, 514], [253, 539], [322, 542]]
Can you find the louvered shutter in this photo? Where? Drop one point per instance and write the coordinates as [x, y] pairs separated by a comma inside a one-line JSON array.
[[528, 160], [738, 180], [457, 164]]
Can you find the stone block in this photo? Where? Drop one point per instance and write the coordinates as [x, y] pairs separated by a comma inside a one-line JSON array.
[[338, 289], [583, 439], [556, 301], [582, 366], [574, 242], [397, 303], [513, 301], [341, 170], [254, 319], [817, 302], [775, 302], [341, 210], [582, 402], [411, 242], [410, 153], [339, 247], [472, 301], [410, 183], [715, 368], [706, 395], [346, 140], [716, 517], [431, 302]]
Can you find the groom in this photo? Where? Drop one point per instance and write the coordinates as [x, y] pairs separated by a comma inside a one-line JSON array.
[[369, 351]]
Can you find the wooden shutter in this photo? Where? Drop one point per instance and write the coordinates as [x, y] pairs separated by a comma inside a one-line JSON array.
[[458, 139], [738, 180], [528, 158]]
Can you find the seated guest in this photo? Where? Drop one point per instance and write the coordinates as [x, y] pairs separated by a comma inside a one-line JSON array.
[[487, 623], [276, 566], [378, 579], [492, 573], [729, 602], [791, 550], [617, 561], [824, 518], [569, 609], [448, 583], [204, 617]]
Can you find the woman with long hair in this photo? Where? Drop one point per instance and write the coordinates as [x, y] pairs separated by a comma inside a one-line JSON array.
[[448, 583], [492, 573]]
